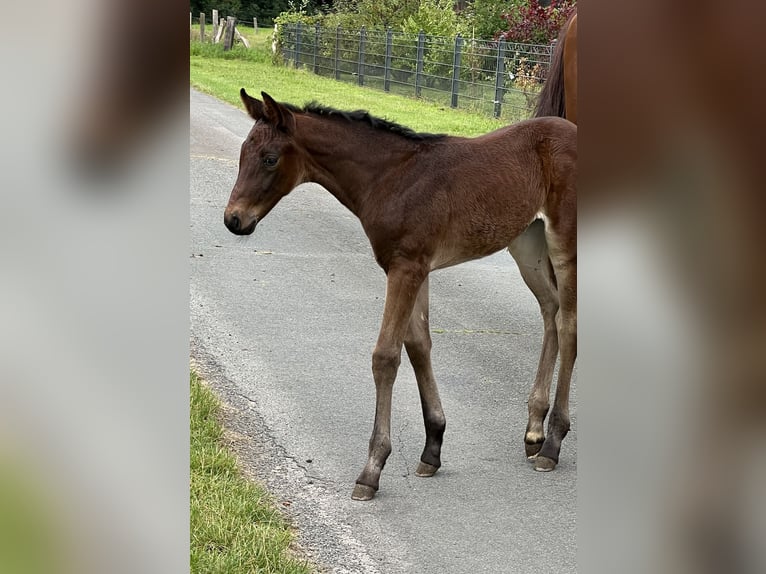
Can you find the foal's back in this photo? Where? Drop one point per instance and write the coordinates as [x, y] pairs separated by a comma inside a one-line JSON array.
[[481, 193]]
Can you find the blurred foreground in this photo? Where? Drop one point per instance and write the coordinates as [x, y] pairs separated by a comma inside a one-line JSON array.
[[672, 284]]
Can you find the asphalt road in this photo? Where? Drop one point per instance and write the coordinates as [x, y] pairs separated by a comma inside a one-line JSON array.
[[283, 324]]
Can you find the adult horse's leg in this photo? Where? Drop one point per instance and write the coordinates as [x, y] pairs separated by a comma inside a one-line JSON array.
[[562, 246], [418, 346], [530, 251], [402, 287]]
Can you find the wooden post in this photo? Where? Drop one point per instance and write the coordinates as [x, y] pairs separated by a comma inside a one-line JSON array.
[[419, 63], [456, 70], [216, 24], [241, 38], [316, 47], [360, 67], [228, 38], [499, 78], [255, 25], [201, 26]]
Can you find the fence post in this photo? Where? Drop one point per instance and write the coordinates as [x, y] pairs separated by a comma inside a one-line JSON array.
[[337, 53], [215, 24], [201, 26], [387, 64], [499, 78], [228, 39], [360, 67], [316, 47], [255, 25], [456, 70], [298, 30], [419, 64]]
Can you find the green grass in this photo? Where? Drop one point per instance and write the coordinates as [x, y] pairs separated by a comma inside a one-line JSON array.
[[235, 528], [223, 74]]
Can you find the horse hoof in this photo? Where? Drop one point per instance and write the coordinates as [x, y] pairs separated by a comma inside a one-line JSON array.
[[532, 448], [544, 464], [363, 492], [424, 469]]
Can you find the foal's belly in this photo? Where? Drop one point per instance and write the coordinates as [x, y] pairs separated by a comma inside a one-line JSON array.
[[478, 242], [449, 255]]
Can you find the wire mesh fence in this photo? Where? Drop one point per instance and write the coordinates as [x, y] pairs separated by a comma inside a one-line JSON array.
[[496, 77]]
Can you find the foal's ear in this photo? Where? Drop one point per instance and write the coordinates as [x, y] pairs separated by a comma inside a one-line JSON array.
[[277, 114], [254, 107]]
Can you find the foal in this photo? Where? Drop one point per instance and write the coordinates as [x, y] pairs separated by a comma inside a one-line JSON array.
[[427, 202]]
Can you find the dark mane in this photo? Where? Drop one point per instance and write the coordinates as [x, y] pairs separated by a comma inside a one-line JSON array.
[[365, 117]]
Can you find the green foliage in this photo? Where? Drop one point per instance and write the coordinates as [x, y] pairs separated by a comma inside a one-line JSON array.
[[435, 18], [264, 10], [484, 17], [224, 7]]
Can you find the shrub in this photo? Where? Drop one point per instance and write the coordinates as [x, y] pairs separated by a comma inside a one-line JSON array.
[[483, 18], [535, 24]]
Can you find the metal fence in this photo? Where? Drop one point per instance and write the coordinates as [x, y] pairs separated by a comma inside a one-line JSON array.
[[497, 77]]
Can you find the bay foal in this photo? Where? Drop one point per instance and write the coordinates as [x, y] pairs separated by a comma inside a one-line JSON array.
[[427, 202]]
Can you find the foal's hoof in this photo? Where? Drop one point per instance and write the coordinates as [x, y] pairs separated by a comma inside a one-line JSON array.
[[363, 492], [425, 469], [532, 448], [544, 464]]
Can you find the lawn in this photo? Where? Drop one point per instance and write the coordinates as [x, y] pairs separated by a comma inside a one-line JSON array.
[[223, 74], [235, 528]]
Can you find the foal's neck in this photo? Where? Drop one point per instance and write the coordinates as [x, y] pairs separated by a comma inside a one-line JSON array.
[[347, 157]]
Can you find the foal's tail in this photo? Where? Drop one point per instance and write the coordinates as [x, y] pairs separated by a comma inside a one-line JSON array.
[[551, 101]]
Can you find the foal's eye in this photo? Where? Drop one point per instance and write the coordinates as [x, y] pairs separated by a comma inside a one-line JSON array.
[[270, 160]]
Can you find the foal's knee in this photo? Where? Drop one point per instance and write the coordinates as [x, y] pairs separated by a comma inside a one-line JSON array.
[[385, 361]]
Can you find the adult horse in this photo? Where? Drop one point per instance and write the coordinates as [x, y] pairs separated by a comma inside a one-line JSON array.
[[427, 202], [559, 94]]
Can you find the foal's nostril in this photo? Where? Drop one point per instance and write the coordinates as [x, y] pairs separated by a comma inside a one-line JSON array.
[[233, 223]]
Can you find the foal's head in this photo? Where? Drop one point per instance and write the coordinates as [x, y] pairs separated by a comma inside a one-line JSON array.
[[270, 164]]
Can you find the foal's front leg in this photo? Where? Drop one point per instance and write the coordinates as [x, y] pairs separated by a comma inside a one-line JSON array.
[[418, 346], [402, 286]]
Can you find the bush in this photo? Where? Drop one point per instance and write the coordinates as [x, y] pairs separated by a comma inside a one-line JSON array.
[[534, 24], [483, 18]]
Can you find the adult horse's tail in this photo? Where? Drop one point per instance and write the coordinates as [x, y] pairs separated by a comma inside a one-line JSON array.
[[552, 98]]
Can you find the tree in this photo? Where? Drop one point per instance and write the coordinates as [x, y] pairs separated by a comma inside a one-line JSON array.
[[264, 10]]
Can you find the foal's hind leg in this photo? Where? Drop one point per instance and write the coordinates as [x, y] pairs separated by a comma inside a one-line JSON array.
[[418, 346], [530, 251], [562, 249]]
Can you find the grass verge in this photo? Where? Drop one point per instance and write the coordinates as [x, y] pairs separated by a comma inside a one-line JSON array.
[[222, 74], [235, 529]]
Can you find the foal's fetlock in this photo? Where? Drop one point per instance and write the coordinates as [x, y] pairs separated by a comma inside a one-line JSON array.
[[534, 437]]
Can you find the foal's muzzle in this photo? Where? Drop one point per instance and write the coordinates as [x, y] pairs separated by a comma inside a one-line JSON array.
[[234, 224]]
